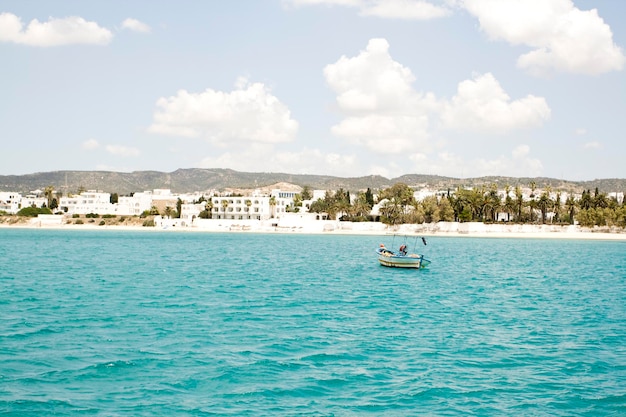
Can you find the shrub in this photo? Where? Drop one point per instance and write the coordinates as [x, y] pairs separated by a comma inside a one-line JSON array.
[[102, 223], [78, 221], [92, 215], [75, 216], [33, 211], [148, 223], [109, 216]]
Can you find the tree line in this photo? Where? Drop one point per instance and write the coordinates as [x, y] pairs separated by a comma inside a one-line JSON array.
[[482, 204]]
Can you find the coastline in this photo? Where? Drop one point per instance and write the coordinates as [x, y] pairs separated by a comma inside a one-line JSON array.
[[441, 229]]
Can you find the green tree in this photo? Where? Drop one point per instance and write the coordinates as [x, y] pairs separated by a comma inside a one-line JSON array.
[[446, 213], [179, 207], [114, 198], [492, 203], [557, 207], [306, 193], [509, 204], [49, 193], [399, 199], [33, 211], [585, 201], [361, 207], [544, 203], [369, 197], [225, 206], [430, 207], [570, 206], [341, 202], [297, 202], [519, 202], [272, 207]]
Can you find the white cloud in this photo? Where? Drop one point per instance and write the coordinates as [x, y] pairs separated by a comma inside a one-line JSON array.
[[382, 110], [135, 25], [518, 164], [248, 113], [120, 150], [298, 3], [386, 9], [54, 32], [403, 9], [592, 145], [564, 38], [90, 144], [482, 105], [384, 113], [580, 131]]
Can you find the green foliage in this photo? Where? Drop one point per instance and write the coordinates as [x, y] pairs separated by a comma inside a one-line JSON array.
[[78, 221], [75, 216], [179, 206], [92, 215], [399, 204], [33, 211], [148, 223], [306, 193], [102, 223], [109, 216]]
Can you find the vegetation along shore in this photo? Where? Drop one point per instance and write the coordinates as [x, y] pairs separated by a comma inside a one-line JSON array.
[[423, 208]]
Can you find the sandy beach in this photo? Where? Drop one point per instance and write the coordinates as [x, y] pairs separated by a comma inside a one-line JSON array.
[[442, 229]]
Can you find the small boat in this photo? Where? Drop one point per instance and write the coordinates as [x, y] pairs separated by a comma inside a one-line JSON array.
[[401, 259]]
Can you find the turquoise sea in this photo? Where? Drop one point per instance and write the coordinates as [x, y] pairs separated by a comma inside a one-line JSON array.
[[125, 323]]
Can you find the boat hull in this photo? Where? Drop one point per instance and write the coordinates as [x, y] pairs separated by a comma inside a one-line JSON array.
[[393, 260]]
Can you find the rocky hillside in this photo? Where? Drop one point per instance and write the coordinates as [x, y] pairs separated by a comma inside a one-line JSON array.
[[195, 179]]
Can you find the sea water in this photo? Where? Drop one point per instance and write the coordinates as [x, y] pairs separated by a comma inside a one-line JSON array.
[[161, 323]]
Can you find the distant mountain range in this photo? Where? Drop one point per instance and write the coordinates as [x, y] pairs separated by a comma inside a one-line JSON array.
[[197, 179]]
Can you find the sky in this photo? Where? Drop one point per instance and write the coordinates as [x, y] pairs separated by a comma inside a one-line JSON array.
[[349, 88]]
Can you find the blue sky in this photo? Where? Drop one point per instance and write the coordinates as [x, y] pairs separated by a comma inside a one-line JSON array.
[[459, 88]]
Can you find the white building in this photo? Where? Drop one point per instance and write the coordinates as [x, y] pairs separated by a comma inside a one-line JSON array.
[[88, 202], [34, 200], [10, 202], [253, 207], [135, 204]]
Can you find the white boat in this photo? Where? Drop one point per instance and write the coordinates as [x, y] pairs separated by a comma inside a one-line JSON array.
[[401, 259]]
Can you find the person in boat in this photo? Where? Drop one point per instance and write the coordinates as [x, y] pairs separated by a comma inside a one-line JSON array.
[[403, 249]]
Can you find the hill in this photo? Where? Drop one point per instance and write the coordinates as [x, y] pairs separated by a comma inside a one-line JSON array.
[[197, 179]]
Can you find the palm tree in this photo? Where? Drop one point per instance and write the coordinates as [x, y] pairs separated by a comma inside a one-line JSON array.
[[509, 206], [544, 204], [570, 206], [49, 192], [361, 207], [492, 202], [519, 202], [532, 203], [224, 206], [400, 196], [272, 206], [557, 206]]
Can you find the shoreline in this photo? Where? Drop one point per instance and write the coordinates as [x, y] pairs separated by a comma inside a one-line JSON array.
[[441, 229]]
